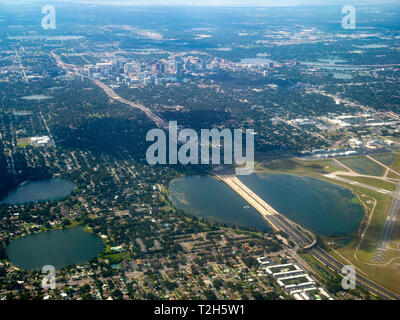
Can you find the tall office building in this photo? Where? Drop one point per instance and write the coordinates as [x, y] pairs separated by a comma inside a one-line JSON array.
[[179, 69]]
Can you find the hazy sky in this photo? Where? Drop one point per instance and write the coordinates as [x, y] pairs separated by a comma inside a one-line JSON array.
[[211, 2], [260, 3]]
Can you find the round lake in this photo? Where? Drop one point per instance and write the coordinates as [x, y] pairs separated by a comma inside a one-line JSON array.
[[210, 198], [322, 207], [44, 190], [58, 248]]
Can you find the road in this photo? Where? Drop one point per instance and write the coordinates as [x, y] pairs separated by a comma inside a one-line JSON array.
[[160, 122], [383, 165], [48, 130], [21, 66]]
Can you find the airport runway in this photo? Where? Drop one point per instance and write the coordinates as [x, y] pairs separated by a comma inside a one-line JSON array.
[[387, 231], [362, 185]]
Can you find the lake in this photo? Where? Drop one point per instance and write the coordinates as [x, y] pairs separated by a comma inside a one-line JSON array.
[[331, 64], [372, 46], [260, 61], [44, 190], [342, 76], [210, 198], [331, 60], [47, 38], [58, 248], [222, 49], [320, 206], [36, 97]]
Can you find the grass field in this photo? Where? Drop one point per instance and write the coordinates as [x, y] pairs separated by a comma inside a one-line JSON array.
[[373, 182], [77, 60], [392, 175], [369, 244], [387, 275], [296, 166], [386, 158], [363, 165], [24, 142], [370, 241], [118, 257], [396, 164], [396, 235]]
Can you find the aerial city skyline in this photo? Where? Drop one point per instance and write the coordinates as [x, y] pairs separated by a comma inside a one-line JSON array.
[[170, 151]]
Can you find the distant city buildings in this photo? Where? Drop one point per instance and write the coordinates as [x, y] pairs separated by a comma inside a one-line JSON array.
[[153, 71]]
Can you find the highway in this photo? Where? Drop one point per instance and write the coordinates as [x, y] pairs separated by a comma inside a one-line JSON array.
[[21, 66], [48, 129], [159, 122]]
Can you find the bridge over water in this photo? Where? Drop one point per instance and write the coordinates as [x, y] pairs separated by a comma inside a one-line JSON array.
[[278, 222]]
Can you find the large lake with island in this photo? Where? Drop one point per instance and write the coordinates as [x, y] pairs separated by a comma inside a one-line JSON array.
[[44, 190], [59, 248], [320, 206]]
